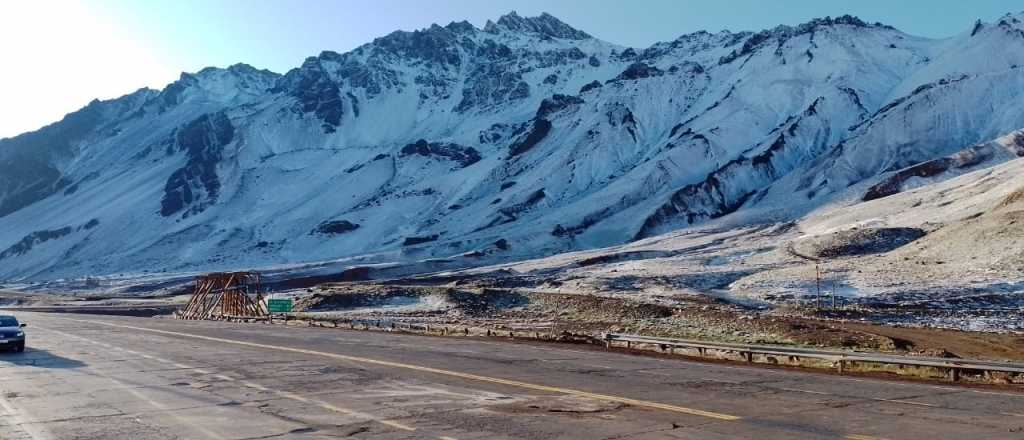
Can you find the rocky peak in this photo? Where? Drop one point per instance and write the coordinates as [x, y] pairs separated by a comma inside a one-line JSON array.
[[434, 44], [1010, 23], [460, 27], [238, 72], [217, 81], [545, 25], [780, 34]]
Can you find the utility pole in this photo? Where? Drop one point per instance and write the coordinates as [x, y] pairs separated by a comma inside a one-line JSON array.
[[817, 291], [833, 292]]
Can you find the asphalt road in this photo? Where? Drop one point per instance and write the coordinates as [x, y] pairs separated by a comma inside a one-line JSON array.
[[107, 377]]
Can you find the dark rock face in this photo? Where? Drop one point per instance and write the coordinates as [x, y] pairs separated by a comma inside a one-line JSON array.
[[372, 76], [334, 227], [412, 241], [966, 158], [317, 93], [491, 84], [556, 103], [27, 171], [620, 115], [29, 241], [857, 242], [892, 184], [436, 44], [590, 86], [545, 25], [499, 132], [464, 156], [75, 186], [355, 274], [511, 212], [638, 71], [541, 128], [26, 244], [195, 186], [171, 95]]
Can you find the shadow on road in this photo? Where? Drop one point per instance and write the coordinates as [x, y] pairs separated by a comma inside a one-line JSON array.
[[34, 357]]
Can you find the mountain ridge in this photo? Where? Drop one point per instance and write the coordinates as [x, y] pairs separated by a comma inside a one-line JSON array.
[[441, 142]]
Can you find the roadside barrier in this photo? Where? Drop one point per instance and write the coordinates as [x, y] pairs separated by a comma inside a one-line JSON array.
[[841, 361]]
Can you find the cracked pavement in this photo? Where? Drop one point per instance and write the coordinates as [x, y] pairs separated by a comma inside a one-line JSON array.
[[105, 377]]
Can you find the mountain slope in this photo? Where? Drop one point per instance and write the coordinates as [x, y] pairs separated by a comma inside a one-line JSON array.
[[474, 145]]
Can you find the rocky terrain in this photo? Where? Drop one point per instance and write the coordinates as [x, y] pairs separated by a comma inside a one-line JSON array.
[[671, 189], [947, 254], [524, 138]]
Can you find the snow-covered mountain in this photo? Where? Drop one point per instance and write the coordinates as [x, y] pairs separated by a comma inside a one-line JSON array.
[[524, 138]]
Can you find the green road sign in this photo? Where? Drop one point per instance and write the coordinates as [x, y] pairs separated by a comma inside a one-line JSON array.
[[279, 305]]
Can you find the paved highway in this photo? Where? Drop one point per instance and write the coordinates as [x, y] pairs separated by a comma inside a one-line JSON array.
[[107, 377]]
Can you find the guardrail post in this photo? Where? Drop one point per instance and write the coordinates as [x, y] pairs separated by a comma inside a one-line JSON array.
[[841, 361]]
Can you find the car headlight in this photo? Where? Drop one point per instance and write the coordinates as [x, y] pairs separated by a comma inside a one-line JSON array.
[[20, 334]]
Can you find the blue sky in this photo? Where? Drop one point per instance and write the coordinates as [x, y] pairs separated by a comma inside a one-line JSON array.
[[60, 54]]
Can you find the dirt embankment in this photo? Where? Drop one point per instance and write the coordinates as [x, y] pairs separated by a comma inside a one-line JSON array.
[[853, 242], [700, 318]]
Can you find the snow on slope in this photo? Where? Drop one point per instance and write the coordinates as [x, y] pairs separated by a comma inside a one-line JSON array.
[[962, 249], [524, 138]]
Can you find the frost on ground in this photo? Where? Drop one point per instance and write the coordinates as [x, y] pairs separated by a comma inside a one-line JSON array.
[[474, 146], [948, 254], [725, 174]]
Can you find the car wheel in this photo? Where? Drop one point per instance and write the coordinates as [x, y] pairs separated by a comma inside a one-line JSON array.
[[20, 348]]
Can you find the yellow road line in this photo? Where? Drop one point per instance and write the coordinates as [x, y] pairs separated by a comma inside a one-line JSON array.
[[461, 375], [136, 391]]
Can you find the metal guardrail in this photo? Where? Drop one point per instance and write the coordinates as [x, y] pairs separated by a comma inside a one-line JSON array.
[[840, 358]]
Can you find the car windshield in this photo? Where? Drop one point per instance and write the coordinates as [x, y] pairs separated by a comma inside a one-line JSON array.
[[8, 321]]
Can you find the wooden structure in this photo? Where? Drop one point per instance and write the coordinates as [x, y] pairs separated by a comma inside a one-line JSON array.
[[230, 294]]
